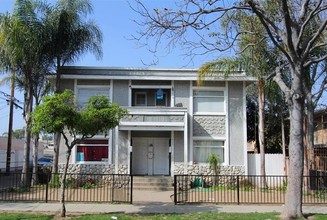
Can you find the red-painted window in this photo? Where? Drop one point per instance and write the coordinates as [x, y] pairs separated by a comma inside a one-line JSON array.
[[92, 150]]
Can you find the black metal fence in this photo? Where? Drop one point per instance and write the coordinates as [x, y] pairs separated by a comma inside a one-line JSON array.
[[79, 188], [244, 189]]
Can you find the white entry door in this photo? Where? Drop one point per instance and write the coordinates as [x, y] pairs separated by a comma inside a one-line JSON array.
[[150, 156]]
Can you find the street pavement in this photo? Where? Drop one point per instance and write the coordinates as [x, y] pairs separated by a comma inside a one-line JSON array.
[[149, 202]]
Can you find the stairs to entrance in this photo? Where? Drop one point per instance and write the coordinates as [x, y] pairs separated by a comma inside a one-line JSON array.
[[153, 183]]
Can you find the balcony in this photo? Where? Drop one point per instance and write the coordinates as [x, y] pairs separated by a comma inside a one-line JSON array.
[[154, 119]]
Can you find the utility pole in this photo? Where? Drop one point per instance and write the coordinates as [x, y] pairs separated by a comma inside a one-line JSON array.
[[11, 113]]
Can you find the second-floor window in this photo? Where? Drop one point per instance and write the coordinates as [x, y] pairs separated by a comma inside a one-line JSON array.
[[86, 92], [206, 101]]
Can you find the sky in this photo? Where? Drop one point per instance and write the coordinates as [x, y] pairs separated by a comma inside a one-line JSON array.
[[115, 19]]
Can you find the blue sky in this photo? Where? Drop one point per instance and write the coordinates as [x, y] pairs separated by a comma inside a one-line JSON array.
[[115, 19]]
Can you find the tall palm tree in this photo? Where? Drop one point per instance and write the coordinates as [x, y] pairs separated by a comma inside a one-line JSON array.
[[253, 56], [23, 37], [71, 36]]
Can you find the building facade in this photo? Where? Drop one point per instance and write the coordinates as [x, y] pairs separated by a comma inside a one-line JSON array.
[[172, 124]]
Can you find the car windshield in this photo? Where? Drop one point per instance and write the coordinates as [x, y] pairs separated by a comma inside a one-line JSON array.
[[43, 159]]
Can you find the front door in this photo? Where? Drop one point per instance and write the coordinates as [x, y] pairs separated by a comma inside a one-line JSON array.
[[150, 156]]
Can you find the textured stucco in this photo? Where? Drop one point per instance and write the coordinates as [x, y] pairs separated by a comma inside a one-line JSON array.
[[209, 125], [236, 119], [120, 92], [179, 146], [182, 94]]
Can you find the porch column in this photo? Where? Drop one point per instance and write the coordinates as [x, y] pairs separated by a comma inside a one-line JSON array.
[[185, 143], [116, 149], [172, 153]]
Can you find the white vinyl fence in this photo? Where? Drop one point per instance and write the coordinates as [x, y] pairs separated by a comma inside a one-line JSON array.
[[274, 164], [16, 161]]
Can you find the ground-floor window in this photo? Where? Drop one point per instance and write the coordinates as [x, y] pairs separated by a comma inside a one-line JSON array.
[[92, 150], [203, 148]]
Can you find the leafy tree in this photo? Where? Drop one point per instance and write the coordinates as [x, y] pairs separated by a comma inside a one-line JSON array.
[[71, 35], [59, 113], [297, 29]]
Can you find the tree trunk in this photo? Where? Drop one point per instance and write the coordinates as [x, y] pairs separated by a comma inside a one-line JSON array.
[[293, 200], [35, 158], [310, 132], [56, 148], [283, 142], [261, 131], [28, 98], [57, 136], [63, 183]]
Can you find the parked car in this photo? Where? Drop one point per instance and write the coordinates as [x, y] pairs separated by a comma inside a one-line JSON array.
[[44, 161]]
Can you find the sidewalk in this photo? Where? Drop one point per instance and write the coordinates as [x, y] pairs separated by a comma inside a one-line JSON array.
[[148, 207], [148, 202]]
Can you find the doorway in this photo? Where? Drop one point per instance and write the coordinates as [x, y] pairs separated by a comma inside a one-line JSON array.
[[150, 156]]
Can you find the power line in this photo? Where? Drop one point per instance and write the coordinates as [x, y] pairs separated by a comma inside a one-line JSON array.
[[16, 102]]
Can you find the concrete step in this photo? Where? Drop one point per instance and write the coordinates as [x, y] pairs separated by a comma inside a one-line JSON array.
[[153, 183]]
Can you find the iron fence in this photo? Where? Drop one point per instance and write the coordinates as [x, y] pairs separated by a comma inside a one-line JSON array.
[[79, 188], [243, 189]]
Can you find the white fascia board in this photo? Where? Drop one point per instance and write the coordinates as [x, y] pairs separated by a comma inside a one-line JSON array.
[[179, 77], [151, 112], [159, 126]]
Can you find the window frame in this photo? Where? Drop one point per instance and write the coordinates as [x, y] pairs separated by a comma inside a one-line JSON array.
[[100, 138], [223, 147], [209, 89], [91, 87]]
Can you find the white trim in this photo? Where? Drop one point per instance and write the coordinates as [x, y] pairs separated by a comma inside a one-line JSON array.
[[151, 86], [130, 93], [116, 149], [129, 151], [111, 91], [156, 111], [245, 131], [185, 144], [191, 121], [172, 94], [214, 89], [172, 153], [227, 152], [110, 150]]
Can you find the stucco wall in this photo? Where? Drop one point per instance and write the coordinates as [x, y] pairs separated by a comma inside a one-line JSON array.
[[120, 92], [209, 125], [182, 93], [179, 146], [123, 147], [236, 119]]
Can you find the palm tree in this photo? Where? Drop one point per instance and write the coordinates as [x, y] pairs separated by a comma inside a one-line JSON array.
[[22, 44], [71, 36], [253, 56]]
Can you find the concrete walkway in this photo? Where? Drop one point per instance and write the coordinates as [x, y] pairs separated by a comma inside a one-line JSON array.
[[148, 207]]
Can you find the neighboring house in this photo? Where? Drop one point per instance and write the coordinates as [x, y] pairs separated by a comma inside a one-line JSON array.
[[320, 139], [17, 153], [172, 125]]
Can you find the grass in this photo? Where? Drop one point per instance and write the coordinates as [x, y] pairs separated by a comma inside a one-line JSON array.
[[23, 216]]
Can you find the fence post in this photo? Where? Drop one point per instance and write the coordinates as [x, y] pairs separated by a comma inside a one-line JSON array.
[[238, 189], [112, 188], [47, 188], [175, 190], [131, 199]]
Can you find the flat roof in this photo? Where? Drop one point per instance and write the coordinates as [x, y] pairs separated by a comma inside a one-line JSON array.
[[88, 72]]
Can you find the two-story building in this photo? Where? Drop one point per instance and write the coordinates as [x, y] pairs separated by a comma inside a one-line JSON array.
[[172, 123]]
